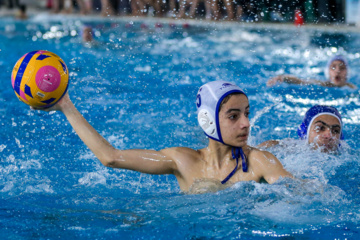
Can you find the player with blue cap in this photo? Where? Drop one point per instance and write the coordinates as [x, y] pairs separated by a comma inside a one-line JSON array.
[[321, 128], [336, 72], [223, 114]]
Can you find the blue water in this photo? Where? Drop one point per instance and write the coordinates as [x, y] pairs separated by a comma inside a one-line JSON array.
[[137, 87]]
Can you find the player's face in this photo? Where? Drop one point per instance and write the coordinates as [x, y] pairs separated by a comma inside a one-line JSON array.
[[325, 133], [338, 73], [234, 120]]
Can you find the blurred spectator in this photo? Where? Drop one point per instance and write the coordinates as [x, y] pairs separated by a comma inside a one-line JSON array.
[[63, 6], [87, 34], [247, 10], [216, 7], [145, 7], [193, 7], [85, 6], [21, 14], [243, 10], [107, 8], [12, 3], [173, 8]]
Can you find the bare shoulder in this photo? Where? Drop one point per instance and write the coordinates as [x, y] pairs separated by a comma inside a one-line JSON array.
[[268, 144], [262, 156], [181, 153], [185, 159], [267, 166], [179, 150]]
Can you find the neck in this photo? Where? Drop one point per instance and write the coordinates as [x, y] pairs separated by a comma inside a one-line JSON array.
[[218, 152]]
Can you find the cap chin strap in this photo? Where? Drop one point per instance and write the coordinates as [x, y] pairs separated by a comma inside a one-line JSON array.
[[237, 152]]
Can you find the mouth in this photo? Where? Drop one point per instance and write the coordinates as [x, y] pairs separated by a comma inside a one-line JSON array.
[[328, 145], [243, 136], [338, 79]]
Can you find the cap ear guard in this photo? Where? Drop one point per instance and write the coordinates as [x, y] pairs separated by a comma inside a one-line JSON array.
[[207, 123]]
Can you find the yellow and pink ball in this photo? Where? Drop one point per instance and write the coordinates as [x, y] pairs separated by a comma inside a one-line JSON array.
[[40, 78]]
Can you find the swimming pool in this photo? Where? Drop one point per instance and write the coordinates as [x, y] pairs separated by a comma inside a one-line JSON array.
[[137, 88]]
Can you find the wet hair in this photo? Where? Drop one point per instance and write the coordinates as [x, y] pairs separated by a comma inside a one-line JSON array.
[[226, 99]]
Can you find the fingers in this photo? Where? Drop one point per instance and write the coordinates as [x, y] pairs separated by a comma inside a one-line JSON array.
[[271, 82], [42, 109]]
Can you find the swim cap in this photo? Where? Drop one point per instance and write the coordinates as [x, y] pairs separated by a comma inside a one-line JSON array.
[[314, 112], [208, 101], [335, 58]]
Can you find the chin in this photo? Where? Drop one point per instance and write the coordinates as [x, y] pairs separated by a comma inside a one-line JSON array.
[[238, 144], [339, 82], [327, 149]]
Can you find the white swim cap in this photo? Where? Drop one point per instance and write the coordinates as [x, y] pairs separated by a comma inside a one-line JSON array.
[[336, 58], [208, 101]]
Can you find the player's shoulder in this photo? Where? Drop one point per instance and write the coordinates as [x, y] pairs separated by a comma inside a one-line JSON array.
[[178, 152], [259, 154]]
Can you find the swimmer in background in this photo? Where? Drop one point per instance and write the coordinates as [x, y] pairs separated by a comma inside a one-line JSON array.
[[223, 114], [87, 34], [336, 72], [321, 128]]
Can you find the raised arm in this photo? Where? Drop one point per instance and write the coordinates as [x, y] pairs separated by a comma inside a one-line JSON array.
[[147, 161], [292, 80]]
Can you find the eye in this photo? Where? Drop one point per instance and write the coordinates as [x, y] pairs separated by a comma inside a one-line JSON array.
[[319, 128], [336, 131], [233, 116], [247, 114]]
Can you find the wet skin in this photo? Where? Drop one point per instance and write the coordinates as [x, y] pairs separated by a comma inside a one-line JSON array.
[[208, 165]]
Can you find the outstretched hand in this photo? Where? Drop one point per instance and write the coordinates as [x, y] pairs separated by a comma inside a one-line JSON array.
[[274, 80], [58, 106]]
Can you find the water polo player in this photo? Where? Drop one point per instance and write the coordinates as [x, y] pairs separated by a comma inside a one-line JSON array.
[[321, 128], [336, 72], [223, 111]]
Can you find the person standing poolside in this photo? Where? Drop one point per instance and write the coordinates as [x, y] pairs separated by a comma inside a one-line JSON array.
[[336, 72], [321, 128], [223, 114]]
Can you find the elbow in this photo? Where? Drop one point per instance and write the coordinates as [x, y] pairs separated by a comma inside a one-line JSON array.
[[110, 158], [108, 161]]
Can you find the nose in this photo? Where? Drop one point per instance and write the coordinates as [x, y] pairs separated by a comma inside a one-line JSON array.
[[244, 122], [327, 134]]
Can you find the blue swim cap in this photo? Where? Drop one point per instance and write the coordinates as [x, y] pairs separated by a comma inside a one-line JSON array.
[[336, 58], [314, 112], [208, 101]]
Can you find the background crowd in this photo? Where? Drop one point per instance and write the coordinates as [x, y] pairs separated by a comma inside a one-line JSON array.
[[312, 11]]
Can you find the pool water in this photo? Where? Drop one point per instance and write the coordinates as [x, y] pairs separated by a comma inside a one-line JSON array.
[[137, 87]]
